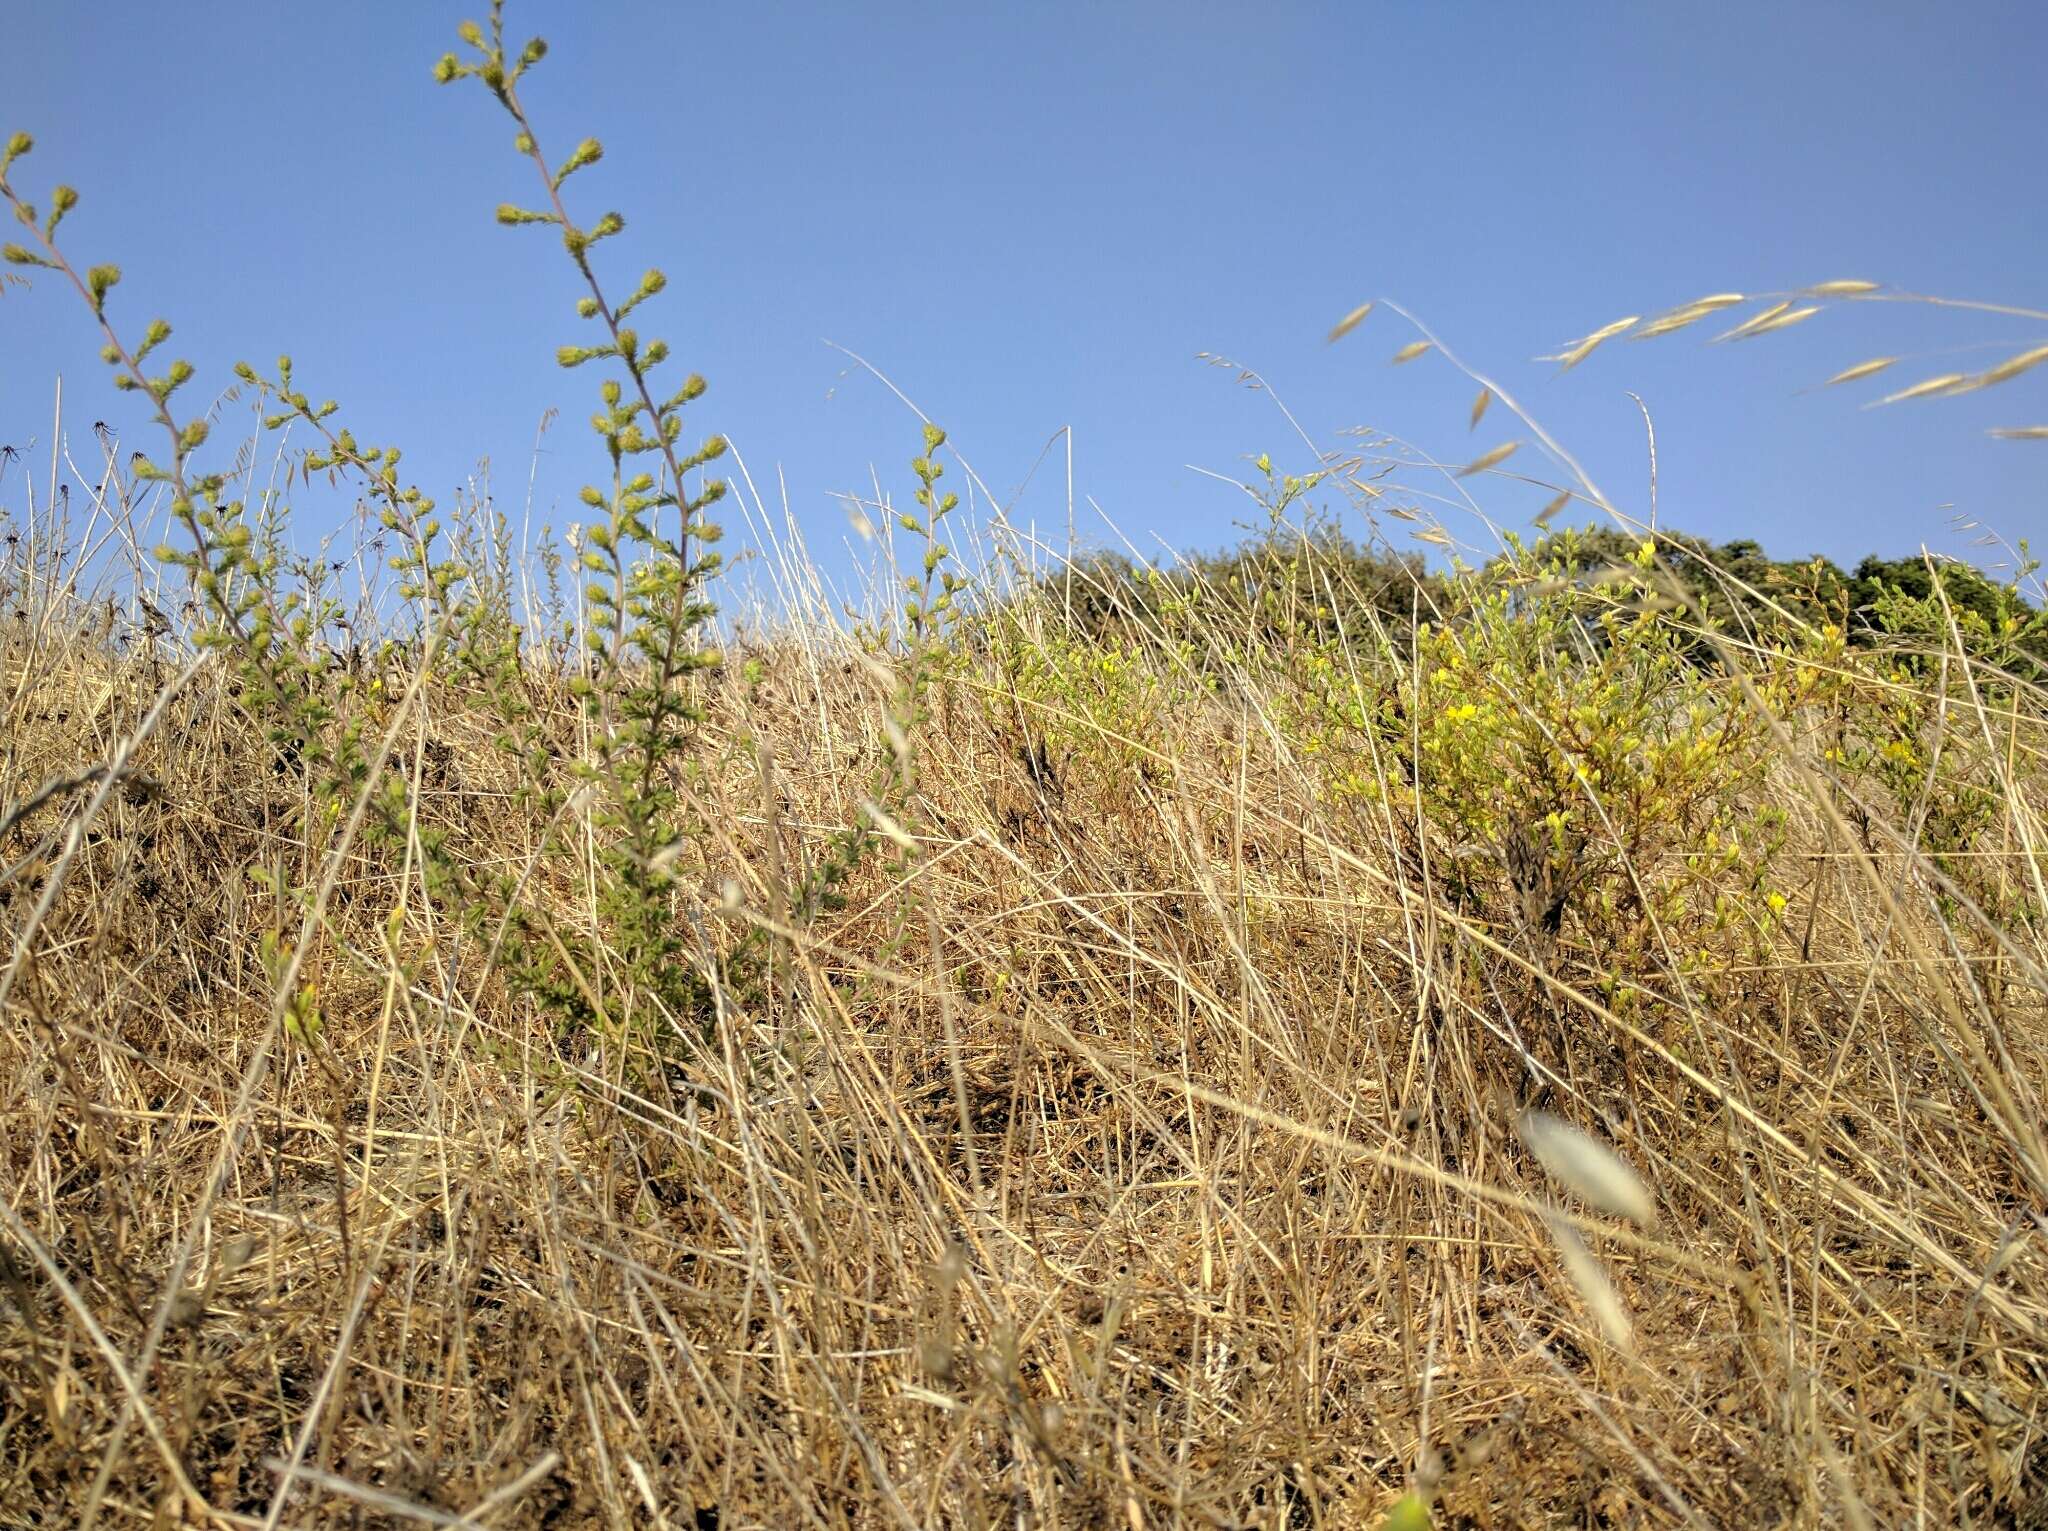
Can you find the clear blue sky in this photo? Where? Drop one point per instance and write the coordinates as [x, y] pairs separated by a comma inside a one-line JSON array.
[[1032, 216]]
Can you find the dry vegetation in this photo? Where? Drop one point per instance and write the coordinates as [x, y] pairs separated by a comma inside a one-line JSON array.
[[1542, 1044], [1136, 1145]]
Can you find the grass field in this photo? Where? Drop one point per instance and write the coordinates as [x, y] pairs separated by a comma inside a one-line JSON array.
[[1555, 1039]]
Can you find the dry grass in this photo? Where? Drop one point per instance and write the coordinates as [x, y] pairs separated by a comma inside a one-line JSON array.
[[1264, 1074], [1137, 1147]]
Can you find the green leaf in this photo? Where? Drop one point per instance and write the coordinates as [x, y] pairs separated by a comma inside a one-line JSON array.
[[589, 152], [1410, 1513], [102, 280], [158, 332], [62, 200]]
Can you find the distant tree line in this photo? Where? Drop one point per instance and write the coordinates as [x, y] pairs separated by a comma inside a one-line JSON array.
[[1320, 582]]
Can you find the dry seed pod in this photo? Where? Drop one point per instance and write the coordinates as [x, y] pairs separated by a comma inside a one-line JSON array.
[[1592, 1170], [1862, 369], [1350, 321], [2013, 366], [1925, 386], [1492, 458], [1579, 350], [1601, 1300]]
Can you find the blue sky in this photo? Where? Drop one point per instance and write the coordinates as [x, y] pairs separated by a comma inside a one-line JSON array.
[[1037, 216]]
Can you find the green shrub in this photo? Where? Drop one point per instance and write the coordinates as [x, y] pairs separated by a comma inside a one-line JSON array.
[[1568, 771]]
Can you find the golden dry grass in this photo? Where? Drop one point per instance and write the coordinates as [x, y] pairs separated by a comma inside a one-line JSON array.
[[1137, 1147], [1572, 1064]]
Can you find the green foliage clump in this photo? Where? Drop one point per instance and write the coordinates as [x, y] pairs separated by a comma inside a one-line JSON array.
[[648, 557], [271, 629], [1739, 592], [646, 602], [1110, 708], [930, 614], [1566, 771], [1285, 583]]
